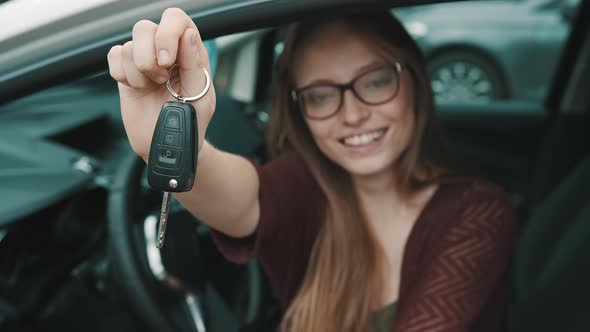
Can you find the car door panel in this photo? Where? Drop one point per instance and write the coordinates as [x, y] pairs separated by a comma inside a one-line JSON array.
[[498, 140]]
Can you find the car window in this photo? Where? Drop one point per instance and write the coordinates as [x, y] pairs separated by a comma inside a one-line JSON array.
[[469, 46], [471, 53], [237, 59]]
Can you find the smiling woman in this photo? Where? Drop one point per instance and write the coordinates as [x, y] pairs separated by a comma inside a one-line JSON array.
[[360, 206], [343, 218]]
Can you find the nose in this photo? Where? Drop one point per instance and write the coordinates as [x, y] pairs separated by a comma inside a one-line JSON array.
[[353, 110]]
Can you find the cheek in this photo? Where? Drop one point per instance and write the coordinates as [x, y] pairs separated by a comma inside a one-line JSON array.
[[407, 123], [321, 132], [401, 108], [400, 112], [320, 128], [316, 129]]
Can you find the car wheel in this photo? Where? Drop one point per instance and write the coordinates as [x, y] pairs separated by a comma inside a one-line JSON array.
[[462, 76]]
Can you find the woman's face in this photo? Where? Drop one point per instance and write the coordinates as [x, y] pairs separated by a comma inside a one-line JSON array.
[[366, 140]]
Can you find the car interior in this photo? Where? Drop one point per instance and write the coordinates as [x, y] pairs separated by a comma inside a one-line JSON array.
[[79, 253]]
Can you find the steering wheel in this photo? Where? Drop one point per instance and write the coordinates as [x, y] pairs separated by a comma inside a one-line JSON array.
[[168, 288]]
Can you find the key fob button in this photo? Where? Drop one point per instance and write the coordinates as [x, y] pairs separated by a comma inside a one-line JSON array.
[[168, 157], [172, 119], [170, 138]]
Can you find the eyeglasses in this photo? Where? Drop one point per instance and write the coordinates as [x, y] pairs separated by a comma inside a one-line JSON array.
[[374, 87]]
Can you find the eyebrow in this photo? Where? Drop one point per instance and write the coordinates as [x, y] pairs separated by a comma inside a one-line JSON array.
[[359, 71]]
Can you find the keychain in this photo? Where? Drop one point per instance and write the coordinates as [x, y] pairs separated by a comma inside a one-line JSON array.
[[172, 163]]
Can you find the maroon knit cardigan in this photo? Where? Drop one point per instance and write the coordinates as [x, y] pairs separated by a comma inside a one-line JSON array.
[[453, 274]]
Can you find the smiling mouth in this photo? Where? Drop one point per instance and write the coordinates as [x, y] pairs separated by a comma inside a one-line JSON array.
[[363, 139]]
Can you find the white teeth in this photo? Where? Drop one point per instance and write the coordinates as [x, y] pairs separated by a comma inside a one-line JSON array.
[[364, 138]]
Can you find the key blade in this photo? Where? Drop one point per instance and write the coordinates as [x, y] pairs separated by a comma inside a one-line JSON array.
[[163, 220]]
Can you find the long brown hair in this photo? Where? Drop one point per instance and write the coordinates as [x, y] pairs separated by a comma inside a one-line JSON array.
[[344, 280]]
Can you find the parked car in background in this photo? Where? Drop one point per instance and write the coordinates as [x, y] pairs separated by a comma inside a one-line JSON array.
[[488, 50]]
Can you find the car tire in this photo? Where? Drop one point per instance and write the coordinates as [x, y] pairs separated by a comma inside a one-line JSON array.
[[465, 76]]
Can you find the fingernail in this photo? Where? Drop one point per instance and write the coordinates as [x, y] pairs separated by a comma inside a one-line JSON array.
[[163, 58]]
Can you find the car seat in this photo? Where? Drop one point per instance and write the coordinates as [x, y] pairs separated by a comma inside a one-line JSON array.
[[551, 268]]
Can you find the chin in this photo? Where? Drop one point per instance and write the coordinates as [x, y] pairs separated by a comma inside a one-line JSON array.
[[367, 167]]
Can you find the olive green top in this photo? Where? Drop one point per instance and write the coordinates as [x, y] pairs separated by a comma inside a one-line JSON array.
[[382, 319]]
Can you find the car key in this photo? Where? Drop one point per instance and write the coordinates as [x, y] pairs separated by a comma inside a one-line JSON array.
[[173, 155], [172, 163]]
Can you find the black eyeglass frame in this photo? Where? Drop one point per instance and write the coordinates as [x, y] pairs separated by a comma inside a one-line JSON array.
[[296, 93]]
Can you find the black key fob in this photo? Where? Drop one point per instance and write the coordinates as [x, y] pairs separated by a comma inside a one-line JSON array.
[[172, 164]]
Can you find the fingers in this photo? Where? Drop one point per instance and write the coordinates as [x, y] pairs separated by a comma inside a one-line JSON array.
[[192, 53], [191, 63], [115, 60], [178, 40], [144, 51], [124, 69], [134, 63], [135, 78], [173, 24], [144, 61]]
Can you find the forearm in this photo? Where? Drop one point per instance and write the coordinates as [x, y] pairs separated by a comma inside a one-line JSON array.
[[225, 193]]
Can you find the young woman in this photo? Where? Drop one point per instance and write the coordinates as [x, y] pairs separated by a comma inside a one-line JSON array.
[[357, 220]]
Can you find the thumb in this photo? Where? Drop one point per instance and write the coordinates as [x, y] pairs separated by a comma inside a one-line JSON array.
[[192, 58]]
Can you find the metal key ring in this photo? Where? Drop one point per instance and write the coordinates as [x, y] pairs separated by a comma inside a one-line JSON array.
[[183, 98]]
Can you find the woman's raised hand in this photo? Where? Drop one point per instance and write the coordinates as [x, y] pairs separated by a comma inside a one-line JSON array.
[[141, 65]]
